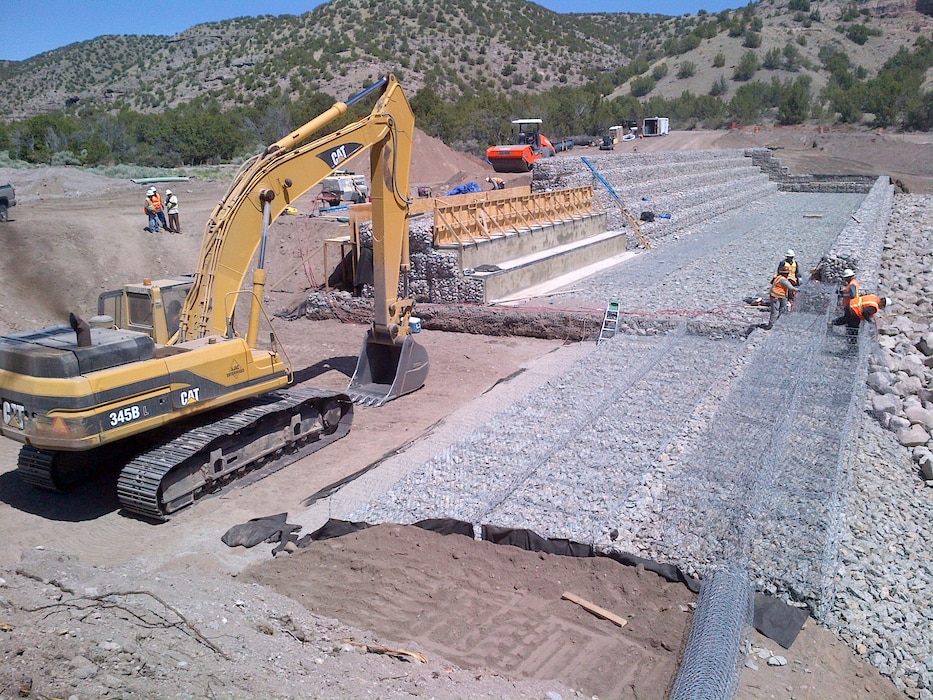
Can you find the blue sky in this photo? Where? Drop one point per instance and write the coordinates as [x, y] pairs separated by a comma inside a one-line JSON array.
[[30, 27]]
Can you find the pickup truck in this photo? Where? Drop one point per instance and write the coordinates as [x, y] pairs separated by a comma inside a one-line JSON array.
[[7, 200]]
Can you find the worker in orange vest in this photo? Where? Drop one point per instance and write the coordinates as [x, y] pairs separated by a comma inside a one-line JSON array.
[[781, 289], [862, 308], [149, 210], [788, 268], [156, 201], [850, 291]]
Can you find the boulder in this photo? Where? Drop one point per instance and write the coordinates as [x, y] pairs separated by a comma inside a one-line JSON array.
[[918, 415], [908, 386], [885, 403], [926, 466], [913, 436], [880, 382], [925, 344]]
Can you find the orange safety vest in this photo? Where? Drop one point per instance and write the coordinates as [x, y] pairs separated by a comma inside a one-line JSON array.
[[156, 202], [850, 293], [789, 270], [859, 305], [778, 290]]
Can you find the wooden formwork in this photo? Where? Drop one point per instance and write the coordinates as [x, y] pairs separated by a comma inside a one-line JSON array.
[[481, 216], [464, 222]]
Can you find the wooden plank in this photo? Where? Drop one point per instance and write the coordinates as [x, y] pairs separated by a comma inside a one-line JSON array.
[[595, 609]]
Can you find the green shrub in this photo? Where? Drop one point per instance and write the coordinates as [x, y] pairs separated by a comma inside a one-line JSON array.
[[642, 85], [719, 87], [748, 66]]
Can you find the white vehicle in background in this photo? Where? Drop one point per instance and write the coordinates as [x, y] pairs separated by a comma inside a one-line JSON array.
[[656, 126], [343, 187]]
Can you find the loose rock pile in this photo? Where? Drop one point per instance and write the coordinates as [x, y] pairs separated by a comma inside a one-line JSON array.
[[885, 568], [901, 376]]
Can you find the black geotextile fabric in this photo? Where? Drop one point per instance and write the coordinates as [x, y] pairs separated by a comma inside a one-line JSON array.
[[773, 618], [668, 572], [271, 528], [777, 620], [533, 542]]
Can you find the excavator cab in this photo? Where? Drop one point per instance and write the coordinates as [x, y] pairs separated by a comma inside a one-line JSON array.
[[150, 307]]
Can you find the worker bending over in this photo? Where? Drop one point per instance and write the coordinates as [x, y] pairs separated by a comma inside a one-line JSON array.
[[862, 308], [781, 289]]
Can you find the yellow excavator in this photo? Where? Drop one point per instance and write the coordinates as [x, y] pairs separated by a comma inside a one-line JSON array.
[[166, 388]]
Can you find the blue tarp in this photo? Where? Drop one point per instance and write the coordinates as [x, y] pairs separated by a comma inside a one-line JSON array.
[[465, 188]]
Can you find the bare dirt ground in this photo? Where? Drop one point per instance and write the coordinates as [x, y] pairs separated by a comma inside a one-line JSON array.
[[97, 604]]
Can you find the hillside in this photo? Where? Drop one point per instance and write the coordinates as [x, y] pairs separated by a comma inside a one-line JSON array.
[[463, 47], [791, 43]]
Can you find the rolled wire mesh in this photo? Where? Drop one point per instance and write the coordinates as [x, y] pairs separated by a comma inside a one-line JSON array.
[[709, 668]]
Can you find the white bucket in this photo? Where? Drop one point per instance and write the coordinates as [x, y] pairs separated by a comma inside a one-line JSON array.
[[414, 324]]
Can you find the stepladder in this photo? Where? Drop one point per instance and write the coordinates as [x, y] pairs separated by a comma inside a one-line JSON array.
[[610, 322]]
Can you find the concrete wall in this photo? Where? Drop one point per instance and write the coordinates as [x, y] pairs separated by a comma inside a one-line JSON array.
[[526, 242]]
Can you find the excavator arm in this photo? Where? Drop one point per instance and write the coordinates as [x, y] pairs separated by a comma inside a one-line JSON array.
[[287, 169], [268, 183]]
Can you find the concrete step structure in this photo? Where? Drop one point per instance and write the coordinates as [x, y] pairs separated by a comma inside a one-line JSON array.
[[693, 186]]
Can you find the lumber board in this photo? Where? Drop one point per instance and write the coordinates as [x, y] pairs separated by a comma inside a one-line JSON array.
[[595, 609]]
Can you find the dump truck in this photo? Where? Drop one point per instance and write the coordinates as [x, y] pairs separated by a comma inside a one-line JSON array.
[[167, 387], [528, 146]]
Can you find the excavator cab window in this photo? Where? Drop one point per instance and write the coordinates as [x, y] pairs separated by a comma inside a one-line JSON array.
[[111, 304], [139, 307], [173, 298]]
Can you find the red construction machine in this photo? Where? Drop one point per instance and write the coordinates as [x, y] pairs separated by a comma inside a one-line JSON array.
[[529, 145]]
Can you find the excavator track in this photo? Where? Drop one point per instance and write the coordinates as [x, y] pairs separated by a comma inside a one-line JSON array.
[[265, 435], [63, 471], [35, 467]]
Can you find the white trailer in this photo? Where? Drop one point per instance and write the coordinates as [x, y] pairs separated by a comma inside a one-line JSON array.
[[656, 126]]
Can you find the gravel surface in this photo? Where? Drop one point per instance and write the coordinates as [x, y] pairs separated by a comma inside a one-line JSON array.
[[704, 448]]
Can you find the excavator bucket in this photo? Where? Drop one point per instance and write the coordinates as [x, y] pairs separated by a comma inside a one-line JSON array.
[[387, 371]]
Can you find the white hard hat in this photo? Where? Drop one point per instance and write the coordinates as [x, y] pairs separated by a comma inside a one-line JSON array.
[[488, 179], [151, 190], [848, 272], [789, 253], [167, 191]]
